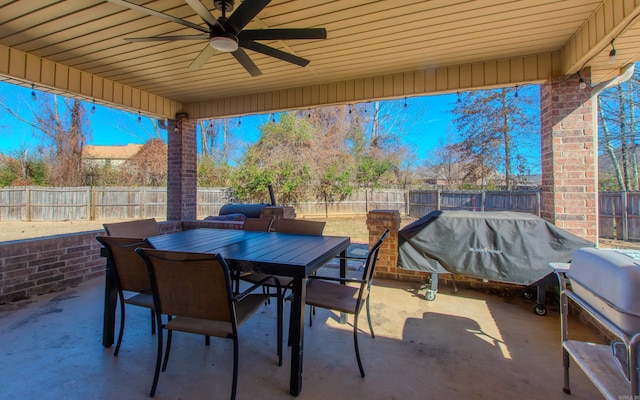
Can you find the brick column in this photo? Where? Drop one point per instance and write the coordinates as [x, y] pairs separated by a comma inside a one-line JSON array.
[[568, 152], [182, 179], [277, 213], [377, 222]]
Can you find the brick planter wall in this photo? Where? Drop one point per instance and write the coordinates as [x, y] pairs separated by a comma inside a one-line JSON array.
[[36, 266]]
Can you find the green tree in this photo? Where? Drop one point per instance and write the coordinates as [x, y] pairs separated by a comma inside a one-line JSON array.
[[280, 157]]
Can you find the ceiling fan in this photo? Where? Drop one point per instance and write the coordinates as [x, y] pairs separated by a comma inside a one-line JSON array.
[[228, 34]]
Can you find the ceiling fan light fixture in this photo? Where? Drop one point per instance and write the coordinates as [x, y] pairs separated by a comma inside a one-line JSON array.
[[224, 42]]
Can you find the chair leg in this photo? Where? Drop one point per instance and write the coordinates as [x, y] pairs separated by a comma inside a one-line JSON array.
[[153, 322], [156, 374], [122, 314], [280, 327], [168, 349], [355, 343], [234, 384], [369, 319]]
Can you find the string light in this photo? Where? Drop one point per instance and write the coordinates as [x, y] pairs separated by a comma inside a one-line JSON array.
[[93, 107], [405, 102], [239, 122], [349, 108], [33, 92], [581, 83], [516, 95], [459, 97], [612, 53], [139, 118], [309, 113]]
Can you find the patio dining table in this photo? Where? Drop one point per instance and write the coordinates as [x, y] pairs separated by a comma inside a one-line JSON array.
[[297, 256]]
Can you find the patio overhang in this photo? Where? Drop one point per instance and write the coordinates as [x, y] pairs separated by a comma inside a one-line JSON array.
[[381, 50]]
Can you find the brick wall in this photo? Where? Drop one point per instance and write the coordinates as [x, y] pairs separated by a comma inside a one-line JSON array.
[[568, 152], [36, 266]]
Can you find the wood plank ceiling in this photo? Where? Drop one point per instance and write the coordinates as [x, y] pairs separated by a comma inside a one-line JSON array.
[[374, 49]]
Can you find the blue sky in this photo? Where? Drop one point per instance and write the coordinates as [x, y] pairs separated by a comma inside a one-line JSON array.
[[422, 124]]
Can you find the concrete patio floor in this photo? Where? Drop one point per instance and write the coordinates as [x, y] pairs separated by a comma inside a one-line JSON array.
[[467, 345]]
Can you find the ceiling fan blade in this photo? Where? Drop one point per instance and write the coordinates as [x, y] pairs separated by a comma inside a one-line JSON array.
[[244, 14], [273, 52], [246, 62], [133, 6], [168, 38], [203, 12], [202, 58], [283, 34]]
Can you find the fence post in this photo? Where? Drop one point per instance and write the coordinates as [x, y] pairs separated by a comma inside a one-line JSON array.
[[625, 219], [366, 200], [92, 205], [483, 198], [143, 193], [27, 202], [538, 204], [88, 213]]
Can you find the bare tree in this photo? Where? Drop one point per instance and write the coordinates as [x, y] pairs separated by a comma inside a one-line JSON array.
[[491, 123], [61, 128], [617, 108], [446, 162]]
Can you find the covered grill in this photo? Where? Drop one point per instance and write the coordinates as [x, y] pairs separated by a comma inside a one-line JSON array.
[[499, 246]]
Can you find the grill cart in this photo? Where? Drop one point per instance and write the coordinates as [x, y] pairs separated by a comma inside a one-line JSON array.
[[605, 284], [499, 246]]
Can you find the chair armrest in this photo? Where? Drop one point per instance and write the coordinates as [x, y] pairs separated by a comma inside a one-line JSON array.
[[247, 292], [343, 280]]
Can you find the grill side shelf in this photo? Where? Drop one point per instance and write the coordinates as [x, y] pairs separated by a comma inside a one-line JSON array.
[[596, 360]]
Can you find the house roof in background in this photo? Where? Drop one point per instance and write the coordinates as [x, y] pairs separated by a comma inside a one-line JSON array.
[[91, 152]]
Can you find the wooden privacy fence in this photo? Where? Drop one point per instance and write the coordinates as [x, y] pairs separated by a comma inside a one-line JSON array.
[[619, 212], [619, 215], [422, 202], [97, 203]]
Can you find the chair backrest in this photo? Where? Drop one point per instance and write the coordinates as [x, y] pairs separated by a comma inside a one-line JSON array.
[[129, 269], [257, 224], [192, 285], [370, 265], [300, 226], [142, 228]]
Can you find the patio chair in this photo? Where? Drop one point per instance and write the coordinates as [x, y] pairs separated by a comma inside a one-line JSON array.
[[257, 224], [130, 275], [141, 228], [195, 290], [297, 226], [336, 293]]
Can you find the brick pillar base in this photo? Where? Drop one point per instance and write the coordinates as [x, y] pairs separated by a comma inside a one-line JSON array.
[[568, 152], [278, 212], [182, 174]]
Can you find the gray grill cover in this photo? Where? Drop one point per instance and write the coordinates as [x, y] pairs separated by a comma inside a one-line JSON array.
[[500, 246]]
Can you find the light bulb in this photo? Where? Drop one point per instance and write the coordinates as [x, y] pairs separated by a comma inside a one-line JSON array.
[[612, 56], [582, 84]]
